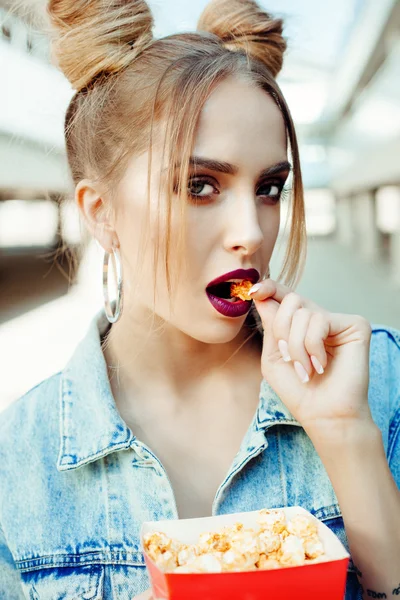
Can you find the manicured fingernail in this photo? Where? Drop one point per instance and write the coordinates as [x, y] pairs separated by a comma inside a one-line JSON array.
[[317, 365], [255, 288], [284, 350], [301, 372]]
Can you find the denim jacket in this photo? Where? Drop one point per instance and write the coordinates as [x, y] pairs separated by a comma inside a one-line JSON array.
[[76, 484]]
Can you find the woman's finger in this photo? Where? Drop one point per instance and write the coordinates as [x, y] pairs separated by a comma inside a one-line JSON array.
[[283, 322], [318, 331], [296, 343], [268, 310], [341, 325], [268, 288]]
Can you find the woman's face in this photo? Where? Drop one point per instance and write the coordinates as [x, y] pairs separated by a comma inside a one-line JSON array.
[[232, 218]]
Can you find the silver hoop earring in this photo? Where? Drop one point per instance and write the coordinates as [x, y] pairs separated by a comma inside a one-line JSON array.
[[113, 317]]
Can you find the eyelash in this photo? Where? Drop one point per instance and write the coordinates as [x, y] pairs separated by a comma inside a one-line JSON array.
[[281, 196]]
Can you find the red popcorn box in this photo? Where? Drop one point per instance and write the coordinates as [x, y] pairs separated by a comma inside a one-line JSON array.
[[323, 577]]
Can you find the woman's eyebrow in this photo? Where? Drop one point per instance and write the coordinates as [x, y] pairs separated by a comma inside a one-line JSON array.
[[224, 167]]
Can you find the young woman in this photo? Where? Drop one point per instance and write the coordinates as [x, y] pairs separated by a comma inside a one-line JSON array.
[[178, 402]]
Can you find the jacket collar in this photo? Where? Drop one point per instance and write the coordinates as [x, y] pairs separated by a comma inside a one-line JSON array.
[[91, 426]]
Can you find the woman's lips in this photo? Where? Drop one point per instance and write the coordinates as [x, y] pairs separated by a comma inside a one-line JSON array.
[[222, 305], [229, 309], [252, 274]]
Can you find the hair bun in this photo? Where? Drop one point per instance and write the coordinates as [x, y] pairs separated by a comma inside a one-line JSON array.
[[243, 25], [94, 37]]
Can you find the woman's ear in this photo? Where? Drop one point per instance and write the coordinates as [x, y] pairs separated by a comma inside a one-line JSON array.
[[95, 214]]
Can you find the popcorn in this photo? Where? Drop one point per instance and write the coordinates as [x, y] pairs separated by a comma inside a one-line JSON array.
[[162, 550], [268, 541], [157, 543], [268, 562], [302, 526], [275, 544], [187, 554], [206, 563], [292, 551], [234, 560], [313, 547], [274, 520], [166, 561], [241, 290], [157, 540], [246, 542], [214, 541]]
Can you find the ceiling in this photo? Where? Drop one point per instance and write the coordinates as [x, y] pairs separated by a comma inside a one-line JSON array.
[[340, 77]]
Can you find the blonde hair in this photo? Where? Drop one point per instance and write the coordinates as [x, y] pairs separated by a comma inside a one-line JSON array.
[[126, 82]]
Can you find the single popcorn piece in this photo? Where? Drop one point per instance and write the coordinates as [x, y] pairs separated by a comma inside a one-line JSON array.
[[268, 541], [246, 542], [283, 535], [302, 526], [176, 546], [234, 560], [206, 563], [274, 520], [157, 539], [313, 547], [214, 541], [187, 554], [241, 290], [229, 531], [167, 561], [157, 543], [268, 562], [292, 551], [206, 540]]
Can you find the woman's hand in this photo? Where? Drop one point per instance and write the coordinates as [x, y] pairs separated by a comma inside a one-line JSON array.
[[316, 361]]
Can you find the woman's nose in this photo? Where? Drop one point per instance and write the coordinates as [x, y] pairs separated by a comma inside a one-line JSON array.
[[244, 233]]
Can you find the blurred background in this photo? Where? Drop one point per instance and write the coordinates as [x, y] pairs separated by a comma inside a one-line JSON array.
[[342, 82]]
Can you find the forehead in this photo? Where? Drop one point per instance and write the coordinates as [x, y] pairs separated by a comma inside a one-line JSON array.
[[240, 123]]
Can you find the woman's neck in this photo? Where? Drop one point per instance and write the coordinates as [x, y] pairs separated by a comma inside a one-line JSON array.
[[142, 361]]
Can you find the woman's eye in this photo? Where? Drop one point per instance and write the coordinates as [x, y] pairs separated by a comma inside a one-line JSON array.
[[200, 189], [272, 190]]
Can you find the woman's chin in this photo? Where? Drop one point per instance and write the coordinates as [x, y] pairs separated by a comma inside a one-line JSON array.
[[218, 331]]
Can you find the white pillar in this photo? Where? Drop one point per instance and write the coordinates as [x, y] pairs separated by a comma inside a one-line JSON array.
[[365, 225], [388, 204], [395, 258], [344, 213]]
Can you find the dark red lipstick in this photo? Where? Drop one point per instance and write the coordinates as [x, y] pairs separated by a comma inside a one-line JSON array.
[[218, 292], [252, 274]]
